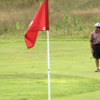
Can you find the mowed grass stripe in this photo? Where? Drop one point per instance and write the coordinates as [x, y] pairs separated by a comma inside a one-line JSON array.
[[61, 85]]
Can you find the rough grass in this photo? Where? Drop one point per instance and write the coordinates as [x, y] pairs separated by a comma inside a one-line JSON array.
[[15, 16], [23, 72]]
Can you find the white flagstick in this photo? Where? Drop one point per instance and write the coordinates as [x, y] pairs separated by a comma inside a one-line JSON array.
[[48, 51]]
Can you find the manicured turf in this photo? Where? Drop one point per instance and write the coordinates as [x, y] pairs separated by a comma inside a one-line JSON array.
[[23, 72]]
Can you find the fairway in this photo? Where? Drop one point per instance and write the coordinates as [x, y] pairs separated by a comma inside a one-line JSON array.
[[24, 73]]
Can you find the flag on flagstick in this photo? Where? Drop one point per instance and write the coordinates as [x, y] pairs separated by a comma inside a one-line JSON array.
[[39, 23]]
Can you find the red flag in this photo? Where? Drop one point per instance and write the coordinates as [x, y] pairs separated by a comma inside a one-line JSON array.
[[39, 23]]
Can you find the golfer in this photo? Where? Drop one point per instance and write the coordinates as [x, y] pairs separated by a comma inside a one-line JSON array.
[[95, 45]]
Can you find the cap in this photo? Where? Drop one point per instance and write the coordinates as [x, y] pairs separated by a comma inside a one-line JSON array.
[[97, 25]]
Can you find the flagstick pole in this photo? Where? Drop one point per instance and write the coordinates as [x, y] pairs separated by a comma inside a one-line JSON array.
[[48, 51]]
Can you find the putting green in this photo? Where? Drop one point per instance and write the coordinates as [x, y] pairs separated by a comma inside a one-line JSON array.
[[23, 72]]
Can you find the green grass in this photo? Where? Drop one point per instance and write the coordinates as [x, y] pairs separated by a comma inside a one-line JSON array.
[[23, 72]]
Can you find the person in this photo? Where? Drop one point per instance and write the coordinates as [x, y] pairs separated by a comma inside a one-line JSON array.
[[95, 45]]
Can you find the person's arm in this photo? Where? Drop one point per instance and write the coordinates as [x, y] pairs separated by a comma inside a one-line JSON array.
[[91, 45]]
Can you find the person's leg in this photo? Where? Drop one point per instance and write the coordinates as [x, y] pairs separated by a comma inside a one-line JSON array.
[[97, 64]]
